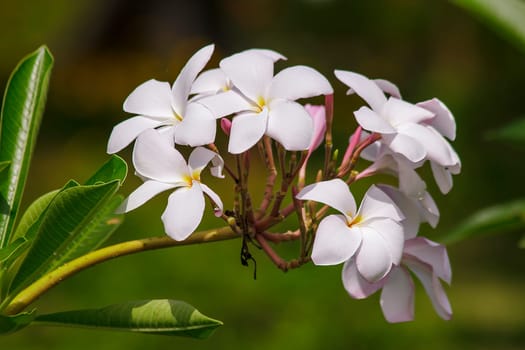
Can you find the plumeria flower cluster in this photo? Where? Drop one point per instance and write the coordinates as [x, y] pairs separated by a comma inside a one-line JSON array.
[[260, 111]]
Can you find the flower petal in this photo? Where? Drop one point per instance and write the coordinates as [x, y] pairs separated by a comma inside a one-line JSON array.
[[442, 177], [299, 82], [218, 206], [182, 86], [437, 148], [247, 128], [364, 87], [428, 209], [250, 72], [371, 121], [373, 259], [198, 127], [397, 297], [443, 121], [355, 284], [318, 114], [142, 194], [210, 82], [392, 232], [226, 103], [431, 253], [406, 145], [200, 157], [291, 125], [334, 193], [398, 112], [125, 132], [432, 286], [152, 99], [334, 241], [388, 87], [377, 204], [155, 158], [273, 55], [184, 211]]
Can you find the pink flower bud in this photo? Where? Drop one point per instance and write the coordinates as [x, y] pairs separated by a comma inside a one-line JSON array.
[[226, 126]]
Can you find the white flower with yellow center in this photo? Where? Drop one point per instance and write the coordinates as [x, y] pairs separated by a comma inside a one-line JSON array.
[[163, 168], [372, 234]]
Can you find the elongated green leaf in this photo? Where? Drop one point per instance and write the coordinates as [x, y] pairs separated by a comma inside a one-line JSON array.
[[22, 110], [68, 215], [13, 250], [4, 165], [496, 219], [515, 131], [505, 16], [114, 169], [11, 324], [163, 317]]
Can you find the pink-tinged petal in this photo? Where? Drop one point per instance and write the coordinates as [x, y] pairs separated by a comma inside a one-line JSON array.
[[397, 297], [334, 193], [226, 103], [407, 146], [388, 87], [428, 209], [392, 233], [273, 55], [355, 284], [371, 121], [399, 112], [142, 194], [318, 114], [373, 258], [409, 209], [299, 82], [437, 148], [410, 183], [290, 125], [443, 121], [182, 86], [250, 72], [377, 204], [247, 128], [155, 158], [226, 126], [431, 253], [210, 82], [442, 176], [199, 159], [184, 212], [334, 241], [218, 206], [364, 87], [432, 286], [152, 99], [125, 132], [198, 127]]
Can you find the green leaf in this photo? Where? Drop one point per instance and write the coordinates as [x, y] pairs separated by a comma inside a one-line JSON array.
[[114, 169], [505, 16], [22, 110], [13, 250], [496, 219], [515, 131], [10, 324], [72, 214], [163, 317], [4, 165]]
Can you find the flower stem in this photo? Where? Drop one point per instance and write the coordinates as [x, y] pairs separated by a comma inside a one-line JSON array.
[[42, 285]]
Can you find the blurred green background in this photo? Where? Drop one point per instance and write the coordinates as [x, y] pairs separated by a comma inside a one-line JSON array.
[[104, 49]]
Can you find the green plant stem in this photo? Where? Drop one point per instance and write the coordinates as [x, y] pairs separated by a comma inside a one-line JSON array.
[[42, 285]]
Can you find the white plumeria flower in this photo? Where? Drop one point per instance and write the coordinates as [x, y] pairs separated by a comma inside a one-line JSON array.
[[215, 81], [163, 168], [398, 121], [427, 260], [157, 105], [372, 234], [267, 102]]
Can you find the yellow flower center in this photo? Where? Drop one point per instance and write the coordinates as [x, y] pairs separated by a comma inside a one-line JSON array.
[[355, 220]]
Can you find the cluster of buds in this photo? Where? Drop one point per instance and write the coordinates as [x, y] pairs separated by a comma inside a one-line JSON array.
[[377, 242]]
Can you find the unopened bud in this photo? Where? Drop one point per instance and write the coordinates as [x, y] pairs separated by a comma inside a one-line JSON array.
[[226, 126]]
